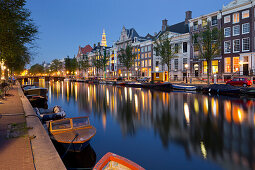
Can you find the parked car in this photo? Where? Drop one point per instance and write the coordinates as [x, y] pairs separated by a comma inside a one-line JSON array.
[[144, 79], [240, 82]]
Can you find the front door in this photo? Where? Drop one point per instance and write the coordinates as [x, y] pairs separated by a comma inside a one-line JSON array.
[[245, 69], [196, 73]]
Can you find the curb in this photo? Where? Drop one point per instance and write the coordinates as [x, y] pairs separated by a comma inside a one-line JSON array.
[[44, 152]]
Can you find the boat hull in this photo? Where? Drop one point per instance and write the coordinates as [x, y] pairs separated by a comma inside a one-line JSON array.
[[74, 147], [185, 88]]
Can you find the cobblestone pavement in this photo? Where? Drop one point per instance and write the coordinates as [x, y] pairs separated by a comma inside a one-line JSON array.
[[15, 152]]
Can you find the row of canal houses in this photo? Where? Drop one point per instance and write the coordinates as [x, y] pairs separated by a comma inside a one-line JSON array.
[[236, 20]]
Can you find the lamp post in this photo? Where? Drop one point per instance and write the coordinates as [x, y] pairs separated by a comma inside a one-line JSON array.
[[186, 67], [136, 69]]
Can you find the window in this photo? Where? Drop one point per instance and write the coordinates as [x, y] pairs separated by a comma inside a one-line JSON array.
[[142, 55], [205, 67], [236, 64], [157, 63], [246, 44], [145, 49], [149, 48], [226, 19], [245, 59], [149, 63], [227, 32], [184, 47], [227, 63], [227, 47], [157, 75], [176, 48], [195, 25], [142, 63], [236, 46], [149, 55], [236, 18], [245, 14], [146, 55], [204, 22], [184, 63], [236, 30], [176, 64], [214, 20], [142, 49], [215, 66], [246, 28], [145, 64]]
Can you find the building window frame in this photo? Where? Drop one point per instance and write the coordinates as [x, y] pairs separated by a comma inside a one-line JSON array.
[[234, 47], [246, 30], [214, 20], [243, 14], [235, 29], [236, 17], [227, 19], [227, 50], [184, 47], [227, 30], [243, 44]]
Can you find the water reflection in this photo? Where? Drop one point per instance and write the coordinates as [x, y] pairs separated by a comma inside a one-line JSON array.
[[218, 129]]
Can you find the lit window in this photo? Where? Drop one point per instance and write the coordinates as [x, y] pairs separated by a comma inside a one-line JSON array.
[[149, 63], [236, 18], [236, 65], [227, 19], [204, 67], [215, 66], [204, 22], [227, 47], [236, 46], [142, 63], [145, 63], [227, 63], [245, 14], [149, 55], [246, 28], [246, 44], [142, 55], [145, 55], [214, 20], [236, 30], [227, 32]]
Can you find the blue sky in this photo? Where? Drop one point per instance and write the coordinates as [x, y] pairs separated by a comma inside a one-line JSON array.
[[66, 24]]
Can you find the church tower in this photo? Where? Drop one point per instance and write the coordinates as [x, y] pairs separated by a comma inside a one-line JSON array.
[[103, 42]]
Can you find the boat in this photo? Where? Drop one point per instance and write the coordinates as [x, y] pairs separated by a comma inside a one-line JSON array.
[[54, 113], [38, 101], [183, 87], [113, 161], [73, 134], [34, 90]]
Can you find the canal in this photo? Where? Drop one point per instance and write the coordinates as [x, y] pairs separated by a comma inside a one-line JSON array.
[[160, 130]]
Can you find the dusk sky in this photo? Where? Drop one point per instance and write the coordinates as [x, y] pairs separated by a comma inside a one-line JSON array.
[[66, 24]]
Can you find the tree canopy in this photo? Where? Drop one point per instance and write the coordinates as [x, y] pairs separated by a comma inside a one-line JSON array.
[[56, 65], [36, 69], [17, 33], [71, 65]]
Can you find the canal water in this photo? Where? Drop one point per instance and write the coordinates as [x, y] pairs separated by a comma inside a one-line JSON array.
[[160, 130]]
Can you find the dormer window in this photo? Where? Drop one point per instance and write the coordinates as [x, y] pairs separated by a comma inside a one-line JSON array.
[[135, 39]]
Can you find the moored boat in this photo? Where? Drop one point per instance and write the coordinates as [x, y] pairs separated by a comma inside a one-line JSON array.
[[54, 113], [34, 90], [113, 161], [73, 133], [183, 87]]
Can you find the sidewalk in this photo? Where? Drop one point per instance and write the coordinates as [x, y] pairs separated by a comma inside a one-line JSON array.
[[15, 151]]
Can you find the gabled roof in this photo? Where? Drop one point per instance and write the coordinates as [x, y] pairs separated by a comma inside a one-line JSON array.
[[180, 28], [86, 49], [131, 33]]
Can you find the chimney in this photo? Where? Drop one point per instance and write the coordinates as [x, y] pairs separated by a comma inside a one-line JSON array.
[[94, 46], [164, 24], [188, 16]]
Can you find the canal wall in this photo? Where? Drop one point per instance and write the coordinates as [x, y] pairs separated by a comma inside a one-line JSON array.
[[44, 153]]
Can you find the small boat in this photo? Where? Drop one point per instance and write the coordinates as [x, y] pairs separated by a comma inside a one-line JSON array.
[[73, 133], [37, 101], [113, 161], [185, 88], [54, 113], [34, 90]]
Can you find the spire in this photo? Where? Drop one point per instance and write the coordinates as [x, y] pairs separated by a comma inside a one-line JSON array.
[[103, 42]]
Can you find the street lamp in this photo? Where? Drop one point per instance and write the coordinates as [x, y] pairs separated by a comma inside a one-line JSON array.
[[186, 67]]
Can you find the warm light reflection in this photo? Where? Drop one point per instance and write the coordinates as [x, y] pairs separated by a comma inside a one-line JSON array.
[[205, 105], [196, 105], [186, 113], [107, 96], [76, 91], [67, 91], [136, 103], [238, 114], [215, 107], [203, 150], [104, 121], [227, 109], [130, 94]]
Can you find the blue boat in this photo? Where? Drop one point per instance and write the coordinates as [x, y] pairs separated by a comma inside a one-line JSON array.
[[73, 134]]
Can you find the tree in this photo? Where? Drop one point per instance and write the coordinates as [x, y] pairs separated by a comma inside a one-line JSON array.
[[17, 34], [36, 69], [164, 48], [104, 61], [68, 65], [56, 65], [84, 63], [209, 44], [127, 58], [97, 64]]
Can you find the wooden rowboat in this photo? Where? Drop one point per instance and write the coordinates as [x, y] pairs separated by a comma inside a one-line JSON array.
[[113, 161], [183, 87], [73, 133]]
